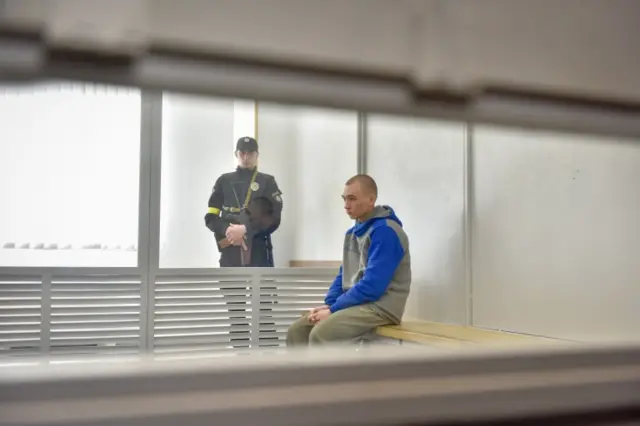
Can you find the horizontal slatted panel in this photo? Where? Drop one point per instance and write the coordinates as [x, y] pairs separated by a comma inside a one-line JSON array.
[[197, 314], [95, 314], [20, 315], [202, 314], [284, 299]]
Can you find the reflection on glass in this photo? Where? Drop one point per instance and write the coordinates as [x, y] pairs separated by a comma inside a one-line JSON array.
[[69, 173]]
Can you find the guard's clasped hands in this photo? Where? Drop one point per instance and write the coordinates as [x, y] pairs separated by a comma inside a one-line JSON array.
[[236, 235]]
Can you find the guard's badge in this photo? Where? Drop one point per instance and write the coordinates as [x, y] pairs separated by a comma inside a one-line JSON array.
[[246, 140], [255, 186]]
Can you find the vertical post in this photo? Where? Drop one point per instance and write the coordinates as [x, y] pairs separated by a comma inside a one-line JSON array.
[[468, 222], [255, 308], [45, 315], [149, 221], [362, 143]]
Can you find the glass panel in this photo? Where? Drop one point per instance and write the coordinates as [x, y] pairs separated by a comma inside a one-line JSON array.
[[69, 173], [419, 167], [197, 147], [555, 233], [311, 152]]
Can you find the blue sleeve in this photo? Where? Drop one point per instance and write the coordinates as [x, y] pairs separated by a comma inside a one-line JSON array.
[[385, 254], [335, 290]]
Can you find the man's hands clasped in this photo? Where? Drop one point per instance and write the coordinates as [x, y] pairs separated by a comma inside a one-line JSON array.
[[318, 314]]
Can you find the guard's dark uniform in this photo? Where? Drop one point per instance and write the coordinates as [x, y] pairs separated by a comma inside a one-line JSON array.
[[229, 197]]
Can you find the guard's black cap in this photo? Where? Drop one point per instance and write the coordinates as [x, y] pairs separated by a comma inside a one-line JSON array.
[[247, 144]]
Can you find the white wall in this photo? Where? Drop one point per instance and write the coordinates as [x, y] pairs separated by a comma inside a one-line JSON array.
[[419, 167], [556, 240], [244, 120], [311, 152]]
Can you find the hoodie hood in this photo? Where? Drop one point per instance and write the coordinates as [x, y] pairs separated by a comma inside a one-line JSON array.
[[379, 213]]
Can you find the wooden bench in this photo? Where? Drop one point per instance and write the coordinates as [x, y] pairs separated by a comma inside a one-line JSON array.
[[451, 335]]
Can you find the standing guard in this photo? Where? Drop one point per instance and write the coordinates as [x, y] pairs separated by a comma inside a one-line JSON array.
[[245, 208], [242, 242]]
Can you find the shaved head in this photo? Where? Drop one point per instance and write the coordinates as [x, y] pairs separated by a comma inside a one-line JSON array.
[[367, 183], [359, 195]]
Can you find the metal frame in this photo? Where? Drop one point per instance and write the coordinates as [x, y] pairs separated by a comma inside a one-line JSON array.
[[362, 142], [467, 225], [150, 183], [388, 386], [26, 56]]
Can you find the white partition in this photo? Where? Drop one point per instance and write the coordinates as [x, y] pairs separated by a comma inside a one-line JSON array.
[[197, 147], [419, 167], [69, 170], [311, 152], [556, 234]]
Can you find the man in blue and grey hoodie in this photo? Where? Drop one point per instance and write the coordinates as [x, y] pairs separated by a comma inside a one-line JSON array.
[[373, 283]]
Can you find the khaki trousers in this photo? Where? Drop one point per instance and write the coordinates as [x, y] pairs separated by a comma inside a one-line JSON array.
[[342, 326]]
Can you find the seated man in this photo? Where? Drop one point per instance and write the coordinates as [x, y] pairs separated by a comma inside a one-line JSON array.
[[372, 286]]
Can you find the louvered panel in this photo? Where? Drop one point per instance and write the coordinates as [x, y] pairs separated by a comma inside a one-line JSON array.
[[20, 315], [289, 305], [95, 314], [195, 322], [284, 299], [94, 349], [296, 292], [186, 340], [187, 313], [278, 322], [203, 314]]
